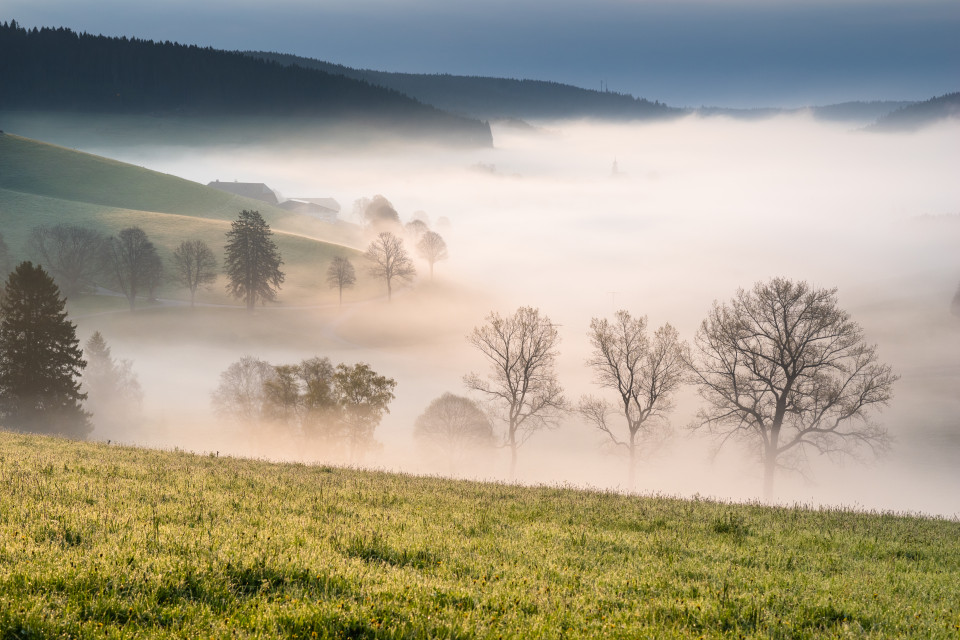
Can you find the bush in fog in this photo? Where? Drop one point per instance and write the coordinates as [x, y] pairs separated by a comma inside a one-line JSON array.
[[130, 262], [389, 260], [340, 406], [378, 214], [784, 369], [642, 372], [522, 383], [70, 253], [453, 428], [40, 358], [114, 396]]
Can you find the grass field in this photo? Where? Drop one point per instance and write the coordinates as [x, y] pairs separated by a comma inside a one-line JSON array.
[[106, 541]]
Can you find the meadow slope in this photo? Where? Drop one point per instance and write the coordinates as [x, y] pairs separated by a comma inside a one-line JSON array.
[[107, 541]]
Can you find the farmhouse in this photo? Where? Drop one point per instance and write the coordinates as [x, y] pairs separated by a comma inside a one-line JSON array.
[[325, 209], [254, 190]]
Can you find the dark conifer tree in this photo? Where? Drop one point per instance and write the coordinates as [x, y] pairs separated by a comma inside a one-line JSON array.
[[252, 260], [40, 358]]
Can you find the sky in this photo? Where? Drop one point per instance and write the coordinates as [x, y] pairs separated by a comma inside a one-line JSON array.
[[744, 53]]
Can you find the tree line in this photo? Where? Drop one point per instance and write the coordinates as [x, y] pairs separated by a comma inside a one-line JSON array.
[[780, 367]]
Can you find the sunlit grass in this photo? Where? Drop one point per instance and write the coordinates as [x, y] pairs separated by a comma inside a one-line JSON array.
[[104, 541]]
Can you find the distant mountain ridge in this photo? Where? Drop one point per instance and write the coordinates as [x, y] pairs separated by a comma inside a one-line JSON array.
[[494, 98], [58, 69], [920, 114]]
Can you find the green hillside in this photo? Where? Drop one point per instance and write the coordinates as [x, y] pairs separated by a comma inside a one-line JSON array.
[[43, 184], [107, 541]]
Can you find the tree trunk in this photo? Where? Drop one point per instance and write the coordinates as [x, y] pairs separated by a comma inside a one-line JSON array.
[[513, 453], [389, 291], [631, 477], [251, 301]]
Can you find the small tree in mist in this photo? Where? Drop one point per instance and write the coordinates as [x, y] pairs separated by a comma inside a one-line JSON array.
[[389, 260], [955, 304], [521, 350], [241, 394], [415, 230], [194, 266], [432, 248], [642, 372], [378, 214], [252, 260], [784, 369], [131, 263], [40, 358], [70, 253], [363, 397], [114, 396], [341, 275], [453, 427]]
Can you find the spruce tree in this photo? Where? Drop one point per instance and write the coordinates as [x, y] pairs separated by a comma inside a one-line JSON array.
[[252, 260], [40, 358]]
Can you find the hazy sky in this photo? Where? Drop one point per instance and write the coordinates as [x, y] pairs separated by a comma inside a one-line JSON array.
[[725, 53]]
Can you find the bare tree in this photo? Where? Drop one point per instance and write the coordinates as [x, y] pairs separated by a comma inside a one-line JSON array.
[[453, 427], [521, 350], [194, 266], [783, 368], [432, 248], [341, 274], [69, 252], [131, 262], [389, 260], [241, 394], [415, 230], [644, 373]]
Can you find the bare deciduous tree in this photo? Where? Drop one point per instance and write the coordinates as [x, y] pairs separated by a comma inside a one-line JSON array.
[[69, 252], [131, 262], [644, 373], [453, 427], [389, 260], [240, 394], [194, 265], [432, 248], [521, 350], [341, 274], [783, 368]]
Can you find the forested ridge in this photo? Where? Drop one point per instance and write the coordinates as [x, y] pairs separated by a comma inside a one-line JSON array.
[[59, 69]]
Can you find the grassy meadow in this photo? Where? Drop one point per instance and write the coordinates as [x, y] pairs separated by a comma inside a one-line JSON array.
[[107, 541]]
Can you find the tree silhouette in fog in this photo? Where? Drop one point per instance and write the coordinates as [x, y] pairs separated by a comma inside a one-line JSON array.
[[784, 369], [131, 263], [40, 358], [341, 274], [432, 248], [252, 260], [522, 383], [643, 372], [71, 254], [453, 428], [389, 260], [114, 395], [194, 266]]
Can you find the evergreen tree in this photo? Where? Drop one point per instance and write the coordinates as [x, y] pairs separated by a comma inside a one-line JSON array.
[[252, 260], [114, 394], [40, 358]]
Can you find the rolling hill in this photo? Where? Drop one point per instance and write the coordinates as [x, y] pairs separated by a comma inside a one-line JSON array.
[[918, 115], [494, 98], [45, 184]]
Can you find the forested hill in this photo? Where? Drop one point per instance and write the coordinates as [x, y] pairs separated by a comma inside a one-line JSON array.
[[58, 69], [920, 114], [491, 98]]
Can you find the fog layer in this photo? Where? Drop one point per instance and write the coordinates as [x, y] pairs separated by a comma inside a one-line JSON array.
[[581, 219]]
